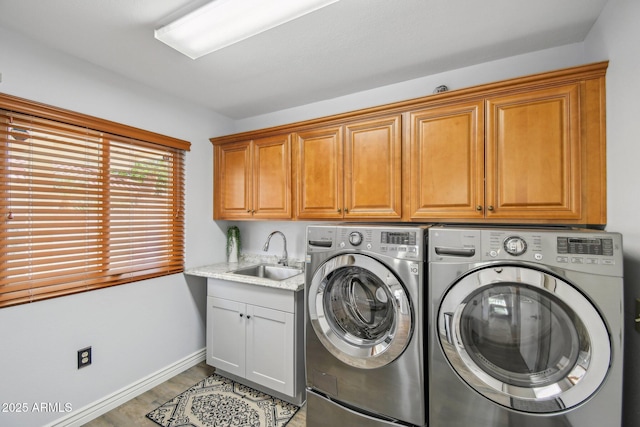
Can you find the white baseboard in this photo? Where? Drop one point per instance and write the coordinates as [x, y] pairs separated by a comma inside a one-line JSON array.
[[102, 406]]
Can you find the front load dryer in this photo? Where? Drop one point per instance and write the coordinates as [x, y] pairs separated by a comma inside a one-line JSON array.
[[525, 327]]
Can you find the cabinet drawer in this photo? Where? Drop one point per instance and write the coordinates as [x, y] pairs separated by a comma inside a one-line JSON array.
[[263, 296]]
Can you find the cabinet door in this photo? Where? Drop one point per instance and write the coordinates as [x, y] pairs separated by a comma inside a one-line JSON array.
[[270, 348], [319, 173], [447, 162], [232, 182], [226, 335], [373, 169], [272, 178], [533, 155]]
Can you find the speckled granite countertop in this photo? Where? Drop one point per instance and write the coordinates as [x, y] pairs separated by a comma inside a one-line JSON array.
[[224, 271]]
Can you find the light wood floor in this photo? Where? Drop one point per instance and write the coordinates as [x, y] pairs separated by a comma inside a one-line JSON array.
[[133, 412]]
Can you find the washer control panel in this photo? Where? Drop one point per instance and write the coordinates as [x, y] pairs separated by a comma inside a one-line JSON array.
[[398, 242]]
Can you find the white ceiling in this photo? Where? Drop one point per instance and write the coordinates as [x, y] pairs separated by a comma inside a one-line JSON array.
[[350, 46]]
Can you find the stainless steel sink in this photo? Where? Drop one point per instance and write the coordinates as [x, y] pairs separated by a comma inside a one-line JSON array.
[[269, 271]]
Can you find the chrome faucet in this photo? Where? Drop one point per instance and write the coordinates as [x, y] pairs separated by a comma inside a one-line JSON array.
[[282, 260]]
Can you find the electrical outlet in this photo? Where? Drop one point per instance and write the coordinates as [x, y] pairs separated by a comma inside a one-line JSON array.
[[84, 357]]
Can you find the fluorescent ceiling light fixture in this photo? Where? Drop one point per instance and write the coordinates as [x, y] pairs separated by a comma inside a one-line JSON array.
[[224, 22]]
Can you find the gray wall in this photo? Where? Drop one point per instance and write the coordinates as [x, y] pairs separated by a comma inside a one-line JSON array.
[[137, 329], [615, 37]]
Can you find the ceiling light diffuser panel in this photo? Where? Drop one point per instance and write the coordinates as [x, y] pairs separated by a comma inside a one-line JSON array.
[[222, 23]]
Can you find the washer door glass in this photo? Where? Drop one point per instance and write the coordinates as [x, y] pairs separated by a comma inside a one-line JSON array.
[[524, 338], [358, 305], [359, 311]]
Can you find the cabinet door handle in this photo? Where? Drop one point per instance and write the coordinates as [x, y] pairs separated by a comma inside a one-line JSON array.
[[490, 208], [478, 208], [346, 210], [241, 315], [248, 317], [339, 210]]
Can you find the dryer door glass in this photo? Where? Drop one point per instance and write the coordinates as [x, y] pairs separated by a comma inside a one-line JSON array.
[[524, 338], [520, 335], [360, 311]]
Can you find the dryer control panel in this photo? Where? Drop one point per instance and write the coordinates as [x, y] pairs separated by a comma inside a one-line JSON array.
[[583, 250], [585, 246]]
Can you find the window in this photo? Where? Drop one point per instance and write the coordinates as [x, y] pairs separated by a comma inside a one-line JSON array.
[[84, 203]]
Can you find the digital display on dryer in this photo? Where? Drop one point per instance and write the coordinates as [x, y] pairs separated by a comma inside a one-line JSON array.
[[586, 246]]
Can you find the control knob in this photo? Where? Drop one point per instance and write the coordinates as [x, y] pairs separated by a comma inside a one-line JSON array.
[[515, 245], [355, 238]]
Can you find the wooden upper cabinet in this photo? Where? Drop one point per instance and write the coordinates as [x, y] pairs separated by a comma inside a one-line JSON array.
[[272, 177], [232, 181], [512, 157], [373, 169], [318, 158], [534, 155], [253, 179], [529, 150], [351, 171], [447, 162]]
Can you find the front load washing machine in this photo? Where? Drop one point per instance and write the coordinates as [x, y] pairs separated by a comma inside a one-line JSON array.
[[525, 327], [365, 294]]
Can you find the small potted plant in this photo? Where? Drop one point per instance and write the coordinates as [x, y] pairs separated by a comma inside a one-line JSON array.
[[233, 244]]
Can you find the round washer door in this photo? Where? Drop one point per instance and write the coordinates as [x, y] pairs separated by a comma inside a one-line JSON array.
[[524, 338], [360, 311]]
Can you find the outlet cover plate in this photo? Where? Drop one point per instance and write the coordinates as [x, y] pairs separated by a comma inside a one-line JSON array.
[[84, 357]]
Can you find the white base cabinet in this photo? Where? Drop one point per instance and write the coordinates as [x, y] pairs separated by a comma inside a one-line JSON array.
[[255, 334]]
